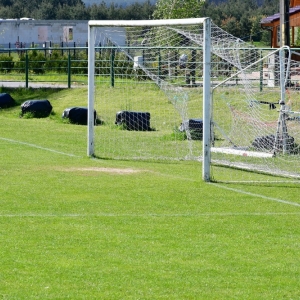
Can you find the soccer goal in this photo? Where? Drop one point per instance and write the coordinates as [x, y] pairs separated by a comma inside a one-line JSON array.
[[149, 84], [187, 90]]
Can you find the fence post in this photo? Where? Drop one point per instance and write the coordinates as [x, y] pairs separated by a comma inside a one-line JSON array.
[[50, 49], [112, 70], [159, 67], [261, 74], [26, 69], [69, 70]]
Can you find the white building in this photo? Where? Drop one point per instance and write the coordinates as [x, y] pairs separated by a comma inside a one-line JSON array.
[[15, 32]]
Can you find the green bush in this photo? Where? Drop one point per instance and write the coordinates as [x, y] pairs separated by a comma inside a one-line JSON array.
[[19, 65], [56, 62], [36, 62], [41, 62], [6, 63], [80, 63]]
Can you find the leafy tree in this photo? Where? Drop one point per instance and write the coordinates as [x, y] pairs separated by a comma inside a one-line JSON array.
[[266, 37], [79, 12], [231, 25], [45, 11], [137, 11], [5, 11], [255, 32], [297, 40], [6, 2], [113, 12], [245, 25], [177, 9], [213, 11], [76, 12], [98, 12], [62, 13], [239, 17], [147, 10], [270, 7]]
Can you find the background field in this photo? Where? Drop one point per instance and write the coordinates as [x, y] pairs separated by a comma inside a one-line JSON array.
[[79, 228]]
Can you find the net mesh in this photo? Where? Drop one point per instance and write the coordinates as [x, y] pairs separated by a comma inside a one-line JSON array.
[[149, 100], [148, 88]]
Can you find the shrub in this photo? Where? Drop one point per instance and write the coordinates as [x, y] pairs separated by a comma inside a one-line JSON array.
[[19, 65], [6, 63], [56, 62], [36, 62]]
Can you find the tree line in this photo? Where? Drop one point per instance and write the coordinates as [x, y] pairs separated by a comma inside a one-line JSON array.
[[73, 10], [242, 18], [239, 17]]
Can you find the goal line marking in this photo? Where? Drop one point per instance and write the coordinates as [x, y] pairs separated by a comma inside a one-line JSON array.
[[112, 215], [257, 195], [38, 147], [242, 152]]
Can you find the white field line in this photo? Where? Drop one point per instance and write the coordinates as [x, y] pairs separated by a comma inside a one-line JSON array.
[[112, 215], [257, 195], [38, 147], [218, 185]]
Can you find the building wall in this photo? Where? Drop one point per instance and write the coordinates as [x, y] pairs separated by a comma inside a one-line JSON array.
[[294, 3], [37, 32]]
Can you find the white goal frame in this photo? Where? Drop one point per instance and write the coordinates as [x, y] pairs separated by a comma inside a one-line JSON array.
[[93, 24]]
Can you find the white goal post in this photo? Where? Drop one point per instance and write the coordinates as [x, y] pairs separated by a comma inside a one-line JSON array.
[[205, 82]]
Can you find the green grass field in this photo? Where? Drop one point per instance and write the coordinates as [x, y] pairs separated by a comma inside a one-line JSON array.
[[79, 228]]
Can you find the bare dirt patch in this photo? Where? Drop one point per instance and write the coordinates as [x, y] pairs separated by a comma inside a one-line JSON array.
[[118, 171]]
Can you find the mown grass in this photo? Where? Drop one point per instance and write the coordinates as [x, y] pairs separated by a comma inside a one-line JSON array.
[[79, 228]]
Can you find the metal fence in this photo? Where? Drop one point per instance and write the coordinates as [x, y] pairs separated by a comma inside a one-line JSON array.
[[52, 65], [68, 66]]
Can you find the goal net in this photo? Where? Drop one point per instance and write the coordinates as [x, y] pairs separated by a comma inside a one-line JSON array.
[[187, 90], [255, 113], [147, 82]]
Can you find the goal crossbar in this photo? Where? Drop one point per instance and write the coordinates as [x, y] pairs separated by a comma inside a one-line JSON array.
[[153, 23]]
